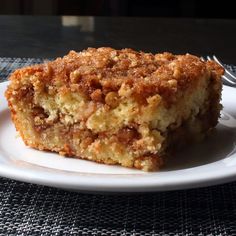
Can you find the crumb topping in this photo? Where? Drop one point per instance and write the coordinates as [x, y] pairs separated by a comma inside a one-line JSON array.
[[101, 74]]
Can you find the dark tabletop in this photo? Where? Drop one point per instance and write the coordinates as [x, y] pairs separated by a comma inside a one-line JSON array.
[[52, 36]]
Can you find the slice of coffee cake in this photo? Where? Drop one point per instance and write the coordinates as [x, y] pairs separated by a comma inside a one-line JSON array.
[[115, 106]]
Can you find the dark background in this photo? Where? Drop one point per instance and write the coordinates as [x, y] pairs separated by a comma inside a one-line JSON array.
[[50, 28], [158, 8]]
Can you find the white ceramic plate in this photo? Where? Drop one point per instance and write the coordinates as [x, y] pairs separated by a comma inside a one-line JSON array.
[[208, 163]]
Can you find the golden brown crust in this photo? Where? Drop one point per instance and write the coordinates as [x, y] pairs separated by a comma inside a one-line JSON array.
[[97, 72]]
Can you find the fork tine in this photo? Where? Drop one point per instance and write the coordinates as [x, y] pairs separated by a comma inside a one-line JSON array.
[[209, 58], [227, 71], [228, 79], [233, 77]]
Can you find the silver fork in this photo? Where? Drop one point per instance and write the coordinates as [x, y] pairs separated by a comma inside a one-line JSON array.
[[229, 77]]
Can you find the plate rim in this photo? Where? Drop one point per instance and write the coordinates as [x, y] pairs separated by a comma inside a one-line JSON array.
[[103, 183]]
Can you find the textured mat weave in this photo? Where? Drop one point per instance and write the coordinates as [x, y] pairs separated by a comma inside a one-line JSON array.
[[7, 65], [27, 209]]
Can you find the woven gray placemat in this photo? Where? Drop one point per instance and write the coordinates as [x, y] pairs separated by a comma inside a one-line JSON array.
[[8, 65], [28, 209]]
